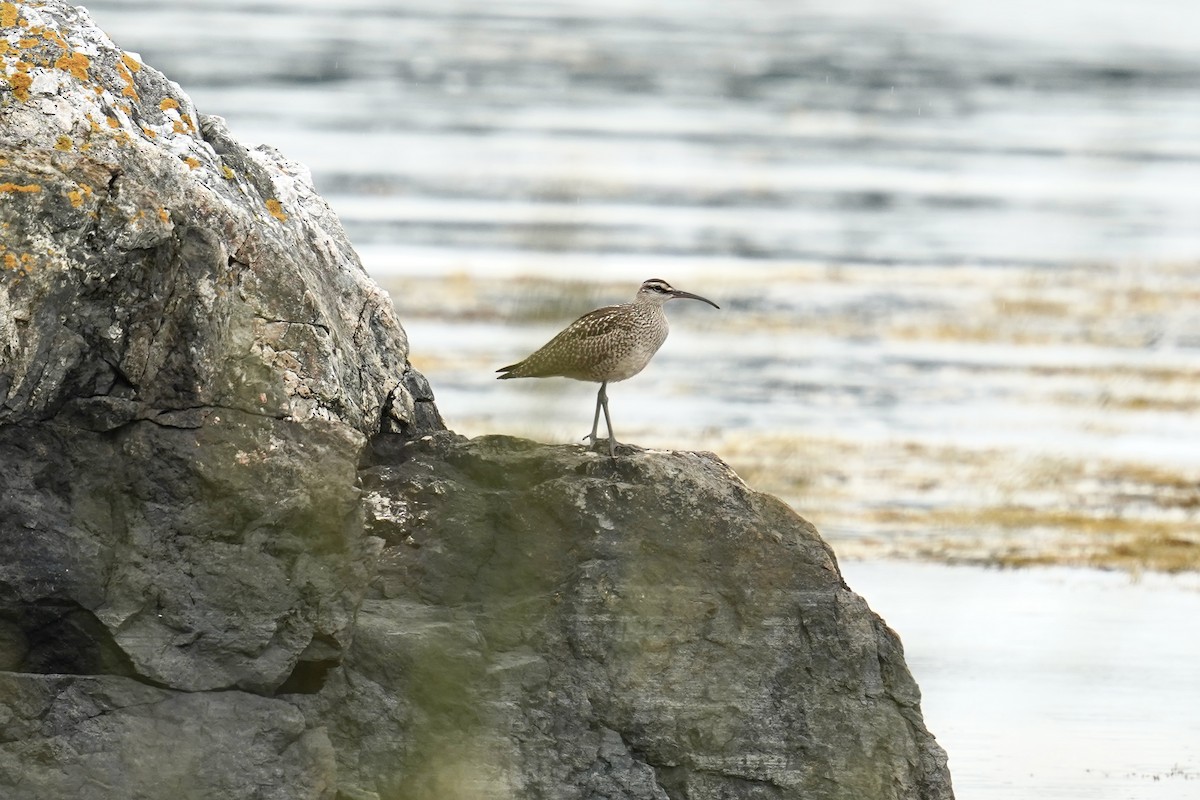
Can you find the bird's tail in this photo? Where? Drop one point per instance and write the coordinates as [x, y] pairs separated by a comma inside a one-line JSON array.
[[511, 371]]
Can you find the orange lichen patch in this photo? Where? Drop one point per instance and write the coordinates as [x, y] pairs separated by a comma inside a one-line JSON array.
[[53, 36], [8, 15], [19, 188], [192, 162], [178, 127], [276, 209], [227, 172], [75, 63], [26, 44], [125, 70], [63, 143], [113, 122], [187, 120], [21, 81], [150, 132], [124, 74], [168, 103], [78, 196], [21, 264], [163, 215]]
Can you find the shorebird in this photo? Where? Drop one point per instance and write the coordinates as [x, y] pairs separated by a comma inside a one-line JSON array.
[[609, 344]]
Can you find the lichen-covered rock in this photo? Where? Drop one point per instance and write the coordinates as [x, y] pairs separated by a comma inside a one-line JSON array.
[[152, 264], [556, 624], [191, 362]]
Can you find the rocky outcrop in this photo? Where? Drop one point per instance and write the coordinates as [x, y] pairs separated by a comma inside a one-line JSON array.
[[560, 625], [240, 557]]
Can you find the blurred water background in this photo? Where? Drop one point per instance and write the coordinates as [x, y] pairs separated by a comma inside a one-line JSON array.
[[957, 249]]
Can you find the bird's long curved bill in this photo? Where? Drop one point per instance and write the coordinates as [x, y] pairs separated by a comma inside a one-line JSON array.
[[689, 296]]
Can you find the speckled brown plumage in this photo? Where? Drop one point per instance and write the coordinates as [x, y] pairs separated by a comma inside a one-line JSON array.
[[606, 345]]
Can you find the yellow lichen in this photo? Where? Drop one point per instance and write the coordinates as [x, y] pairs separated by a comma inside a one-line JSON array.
[[75, 63], [163, 215], [113, 122], [19, 188], [63, 143], [150, 132], [131, 62], [276, 209], [227, 172], [168, 103], [21, 81], [8, 15], [192, 162], [22, 264], [52, 36], [125, 75], [78, 196]]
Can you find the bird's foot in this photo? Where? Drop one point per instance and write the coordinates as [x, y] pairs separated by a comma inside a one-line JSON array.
[[594, 440]]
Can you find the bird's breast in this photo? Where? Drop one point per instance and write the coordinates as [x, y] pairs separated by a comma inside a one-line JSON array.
[[626, 361]]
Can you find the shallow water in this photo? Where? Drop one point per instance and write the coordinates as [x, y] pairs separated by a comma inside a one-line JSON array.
[[955, 243], [1050, 683]]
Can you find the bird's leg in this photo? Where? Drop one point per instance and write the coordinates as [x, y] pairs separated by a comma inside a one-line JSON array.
[[602, 403], [612, 437], [600, 397]]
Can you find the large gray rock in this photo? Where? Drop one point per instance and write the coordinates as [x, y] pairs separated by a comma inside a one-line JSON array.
[[558, 625], [239, 557]]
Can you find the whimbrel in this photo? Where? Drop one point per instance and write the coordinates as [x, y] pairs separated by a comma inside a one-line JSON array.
[[606, 345]]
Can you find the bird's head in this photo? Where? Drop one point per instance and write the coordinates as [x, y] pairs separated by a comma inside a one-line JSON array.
[[658, 291]]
